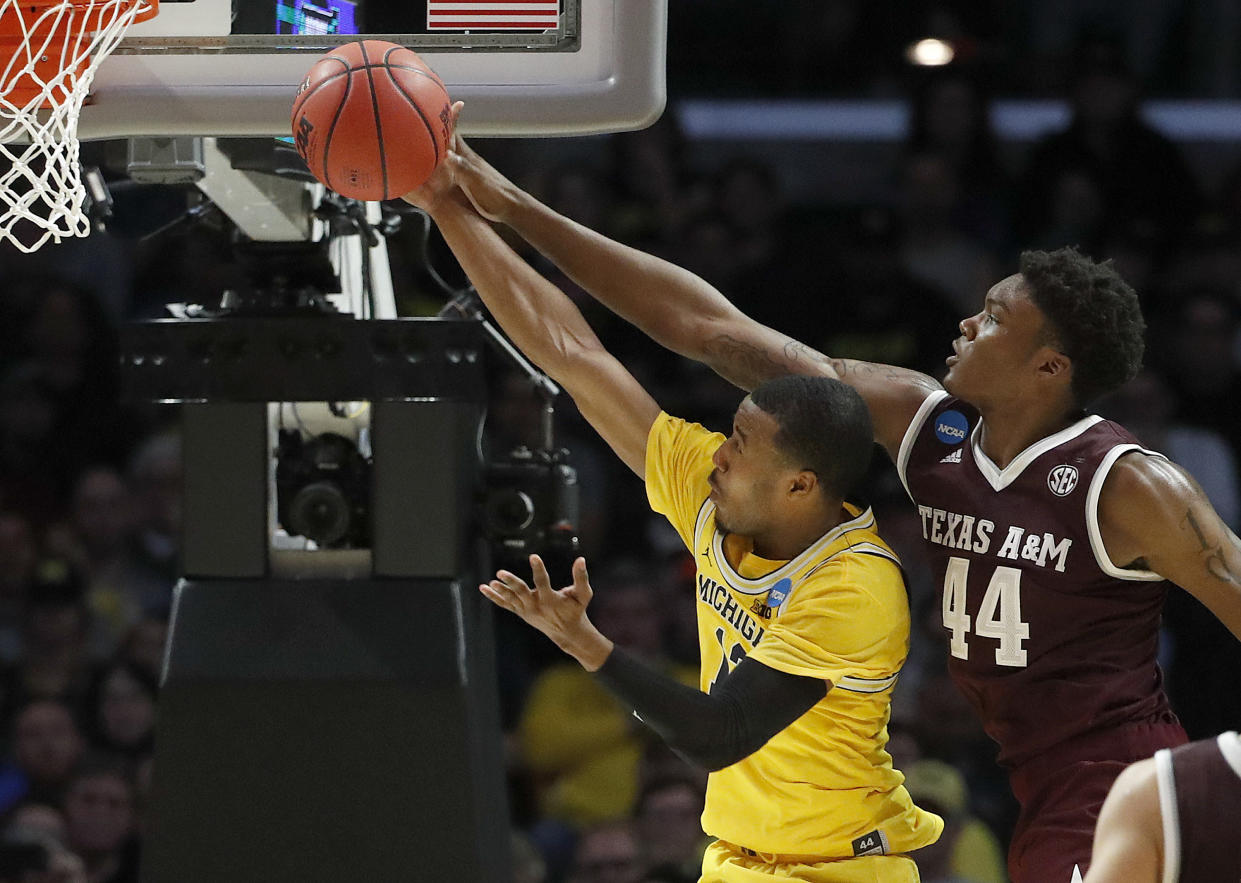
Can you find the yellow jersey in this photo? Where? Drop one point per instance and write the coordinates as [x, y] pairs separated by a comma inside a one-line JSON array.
[[824, 786]]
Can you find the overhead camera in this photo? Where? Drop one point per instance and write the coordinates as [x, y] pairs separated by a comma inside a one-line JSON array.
[[530, 503], [323, 489]]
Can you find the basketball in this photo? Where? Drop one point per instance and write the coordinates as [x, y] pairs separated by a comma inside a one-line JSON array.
[[372, 120]]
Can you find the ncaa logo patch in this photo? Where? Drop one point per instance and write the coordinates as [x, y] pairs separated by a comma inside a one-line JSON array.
[[1062, 480], [779, 592], [951, 427]]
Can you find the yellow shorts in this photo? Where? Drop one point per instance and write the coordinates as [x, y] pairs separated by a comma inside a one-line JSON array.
[[725, 863]]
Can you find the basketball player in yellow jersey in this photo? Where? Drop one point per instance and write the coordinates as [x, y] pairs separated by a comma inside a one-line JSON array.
[[803, 618]]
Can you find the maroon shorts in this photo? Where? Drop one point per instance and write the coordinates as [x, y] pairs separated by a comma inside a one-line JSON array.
[[1061, 792]]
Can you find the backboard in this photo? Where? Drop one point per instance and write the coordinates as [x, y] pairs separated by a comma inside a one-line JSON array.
[[523, 67]]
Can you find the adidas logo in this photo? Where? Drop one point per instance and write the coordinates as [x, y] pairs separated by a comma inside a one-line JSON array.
[[954, 457]]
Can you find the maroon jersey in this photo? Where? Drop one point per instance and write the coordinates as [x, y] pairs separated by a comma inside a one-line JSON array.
[[1049, 640], [1200, 804]]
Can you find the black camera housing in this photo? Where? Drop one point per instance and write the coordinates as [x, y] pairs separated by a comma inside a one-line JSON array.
[[323, 489], [530, 503]]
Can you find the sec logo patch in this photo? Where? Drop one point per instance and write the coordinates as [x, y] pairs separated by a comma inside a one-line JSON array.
[[1062, 480], [951, 427]]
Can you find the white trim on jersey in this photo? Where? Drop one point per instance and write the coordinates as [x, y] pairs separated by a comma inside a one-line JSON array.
[[1092, 516], [865, 685], [1230, 747], [1001, 478], [700, 523], [911, 435], [864, 521], [1165, 779]]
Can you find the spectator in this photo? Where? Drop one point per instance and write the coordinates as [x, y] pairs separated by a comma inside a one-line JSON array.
[[66, 335], [1141, 174], [1201, 363], [152, 566], [121, 710], [1147, 405], [933, 249], [881, 311], [143, 645], [607, 853], [56, 662], [667, 822], [967, 852], [97, 536], [100, 821], [36, 821], [47, 745], [950, 118]]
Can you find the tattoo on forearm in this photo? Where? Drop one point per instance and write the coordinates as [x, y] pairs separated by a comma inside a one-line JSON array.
[[1215, 554], [847, 367], [749, 365]]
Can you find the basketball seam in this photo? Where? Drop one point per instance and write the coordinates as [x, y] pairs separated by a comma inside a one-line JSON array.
[[418, 110], [379, 129], [319, 83], [422, 73], [327, 146], [322, 81]]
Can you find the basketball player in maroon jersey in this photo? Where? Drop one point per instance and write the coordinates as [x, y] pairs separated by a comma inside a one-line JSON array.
[[1174, 817], [1051, 531]]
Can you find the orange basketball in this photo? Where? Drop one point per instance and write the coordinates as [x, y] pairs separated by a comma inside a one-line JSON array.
[[372, 120]]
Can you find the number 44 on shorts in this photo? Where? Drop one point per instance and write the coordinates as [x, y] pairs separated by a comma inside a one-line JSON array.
[[999, 615]]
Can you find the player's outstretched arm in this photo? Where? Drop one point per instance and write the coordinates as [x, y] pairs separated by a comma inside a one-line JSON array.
[[678, 309], [1128, 840], [1154, 516], [744, 709], [544, 324]]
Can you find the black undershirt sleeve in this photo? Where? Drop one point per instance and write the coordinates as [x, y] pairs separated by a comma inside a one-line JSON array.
[[745, 709]]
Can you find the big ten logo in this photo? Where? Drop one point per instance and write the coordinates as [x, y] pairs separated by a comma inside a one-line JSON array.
[[1062, 480]]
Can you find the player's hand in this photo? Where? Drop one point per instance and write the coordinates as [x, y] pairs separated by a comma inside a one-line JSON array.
[[492, 194], [559, 614], [441, 187]]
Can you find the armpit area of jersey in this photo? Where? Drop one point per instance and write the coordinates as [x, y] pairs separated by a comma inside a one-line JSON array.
[[743, 711]]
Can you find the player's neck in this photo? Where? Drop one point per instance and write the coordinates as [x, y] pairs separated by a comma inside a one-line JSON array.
[[796, 533], [1007, 431]]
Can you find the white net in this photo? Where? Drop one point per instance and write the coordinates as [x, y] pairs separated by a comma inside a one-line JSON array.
[[52, 51]]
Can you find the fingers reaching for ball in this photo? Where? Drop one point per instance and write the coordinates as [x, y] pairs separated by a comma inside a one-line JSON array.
[[552, 612], [561, 615]]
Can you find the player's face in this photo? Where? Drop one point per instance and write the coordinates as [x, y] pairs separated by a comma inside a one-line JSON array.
[[746, 481], [999, 347]]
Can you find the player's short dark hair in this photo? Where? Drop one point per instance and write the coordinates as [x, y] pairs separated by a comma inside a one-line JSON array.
[[824, 427], [1093, 317]]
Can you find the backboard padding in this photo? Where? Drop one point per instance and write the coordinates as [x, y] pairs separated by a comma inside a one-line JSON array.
[[179, 75]]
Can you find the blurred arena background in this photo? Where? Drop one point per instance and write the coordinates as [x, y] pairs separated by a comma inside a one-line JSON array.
[[855, 171]]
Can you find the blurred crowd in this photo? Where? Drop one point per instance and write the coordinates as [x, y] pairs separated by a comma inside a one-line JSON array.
[[90, 485]]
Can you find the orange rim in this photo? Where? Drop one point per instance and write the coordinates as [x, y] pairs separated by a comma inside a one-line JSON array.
[[14, 34]]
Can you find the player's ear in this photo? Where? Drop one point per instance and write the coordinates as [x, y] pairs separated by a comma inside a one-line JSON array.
[[803, 483], [1053, 363]]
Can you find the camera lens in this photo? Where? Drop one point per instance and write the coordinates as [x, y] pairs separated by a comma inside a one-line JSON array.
[[319, 511], [508, 511]]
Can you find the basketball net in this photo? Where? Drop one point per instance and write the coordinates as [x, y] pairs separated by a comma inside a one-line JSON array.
[[49, 52]]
